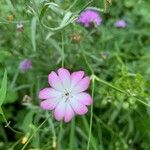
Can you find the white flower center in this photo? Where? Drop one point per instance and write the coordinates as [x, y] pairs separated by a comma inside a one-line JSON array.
[[67, 95]]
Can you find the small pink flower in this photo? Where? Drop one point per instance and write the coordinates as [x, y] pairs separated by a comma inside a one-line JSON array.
[[120, 23], [25, 65], [66, 96]]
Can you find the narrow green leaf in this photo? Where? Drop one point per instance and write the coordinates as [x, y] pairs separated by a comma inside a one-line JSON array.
[[3, 88], [66, 18], [43, 12], [55, 45], [54, 7], [33, 33], [27, 121], [1, 111]]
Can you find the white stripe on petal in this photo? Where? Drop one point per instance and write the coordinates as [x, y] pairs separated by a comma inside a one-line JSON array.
[[50, 104], [76, 77], [55, 81], [48, 93], [69, 113], [84, 98], [64, 76], [78, 107], [82, 85], [59, 111]]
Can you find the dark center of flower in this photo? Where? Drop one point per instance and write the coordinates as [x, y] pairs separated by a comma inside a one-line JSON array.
[[67, 94], [92, 24]]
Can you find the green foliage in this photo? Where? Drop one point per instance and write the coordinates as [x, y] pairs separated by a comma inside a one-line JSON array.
[[33, 33], [3, 90], [116, 59]]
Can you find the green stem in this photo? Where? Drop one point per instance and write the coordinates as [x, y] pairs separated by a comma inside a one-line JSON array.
[[139, 100], [72, 5], [120, 90], [72, 135], [14, 79], [91, 117], [7, 123], [84, 7], [14, 145], [86, 61], [52, 126], [63, 54], [60, 135], [108, 84], [105, 6], [34, 133]]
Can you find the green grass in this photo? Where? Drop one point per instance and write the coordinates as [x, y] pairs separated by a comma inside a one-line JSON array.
[[117, 60]]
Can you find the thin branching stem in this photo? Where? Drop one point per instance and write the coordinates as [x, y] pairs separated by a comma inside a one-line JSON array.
[[120, 90], [8, 123], [51, 125]]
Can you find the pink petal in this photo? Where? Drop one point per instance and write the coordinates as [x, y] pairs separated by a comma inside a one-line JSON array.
[[76, 77], [84, 98], [49, 104], [55, 81], [78, 107], [48, 93], [59, 111], [69, 113], [64, 76], [82, 85]]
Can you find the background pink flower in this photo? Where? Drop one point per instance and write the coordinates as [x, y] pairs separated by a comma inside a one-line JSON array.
[[66, 96], [120, 23], [89, 17], [25, 65]]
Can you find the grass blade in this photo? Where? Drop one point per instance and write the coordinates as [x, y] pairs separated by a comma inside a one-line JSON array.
[[33, 33], [3, 89]]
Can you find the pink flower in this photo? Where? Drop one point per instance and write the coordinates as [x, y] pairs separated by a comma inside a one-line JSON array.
[[25, 65], [120, 23], [89, 18], [66, 96]]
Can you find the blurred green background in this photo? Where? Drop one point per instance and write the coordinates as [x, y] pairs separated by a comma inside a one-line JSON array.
[[119, 56]]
